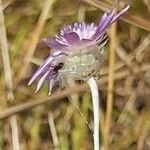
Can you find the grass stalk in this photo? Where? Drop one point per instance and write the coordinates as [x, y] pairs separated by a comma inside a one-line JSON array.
[[110, 85], [8, 77]]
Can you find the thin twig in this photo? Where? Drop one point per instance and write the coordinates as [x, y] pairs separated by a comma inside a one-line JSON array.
[[8, 78], [53, 130], [95, 100], [110, 84]]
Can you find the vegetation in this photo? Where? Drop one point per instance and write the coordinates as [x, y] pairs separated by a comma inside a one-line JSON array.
[[64, 120]]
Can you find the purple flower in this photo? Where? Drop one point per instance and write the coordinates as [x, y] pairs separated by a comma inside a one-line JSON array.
[[76, 52]]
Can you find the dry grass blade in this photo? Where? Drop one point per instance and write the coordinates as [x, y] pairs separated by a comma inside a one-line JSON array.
[[137, 21], [147, 3], [127, 107], [8, 78], [98, 4], [110, 84], [144, 132], [129, 18]]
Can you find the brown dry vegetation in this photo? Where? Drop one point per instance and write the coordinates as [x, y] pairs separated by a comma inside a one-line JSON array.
[[59, 121]]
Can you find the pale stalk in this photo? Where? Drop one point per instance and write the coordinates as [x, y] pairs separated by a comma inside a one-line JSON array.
[[8, 77], [95, 100]]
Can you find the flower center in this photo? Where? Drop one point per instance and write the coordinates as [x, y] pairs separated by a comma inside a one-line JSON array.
[[81, 66]]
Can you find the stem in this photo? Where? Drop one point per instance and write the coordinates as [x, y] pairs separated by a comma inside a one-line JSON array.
[[53, 131], [95, 100], [8, 77], [110, 94]]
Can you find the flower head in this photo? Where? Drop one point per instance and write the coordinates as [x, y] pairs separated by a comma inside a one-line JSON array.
[[76, 52]]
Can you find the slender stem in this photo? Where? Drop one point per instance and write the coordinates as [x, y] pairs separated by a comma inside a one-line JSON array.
[[53, 130], [15, 134], [110, 84], [95, 100], [8, 77]]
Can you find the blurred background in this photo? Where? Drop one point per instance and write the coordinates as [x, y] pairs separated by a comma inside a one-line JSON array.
[[64, 120]]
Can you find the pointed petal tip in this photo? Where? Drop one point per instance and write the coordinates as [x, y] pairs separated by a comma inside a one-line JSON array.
[[31, 80], [36, 91], [49, 93], [126, 8], [29, 83]]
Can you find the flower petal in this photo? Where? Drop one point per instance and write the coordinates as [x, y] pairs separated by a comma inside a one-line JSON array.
[[106, 21], [41, 81], [52, 43], [104, 25], [72, 38], [49, 61], [120, 13], [105, 15], [40, 69]]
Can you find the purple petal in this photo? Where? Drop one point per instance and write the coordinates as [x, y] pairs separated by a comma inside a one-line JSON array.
[[52, 43], [72, 38], [106, 21], [40, 69], [41, 81], [101, 29], [103, 19], [47, 62], [120, 14]]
